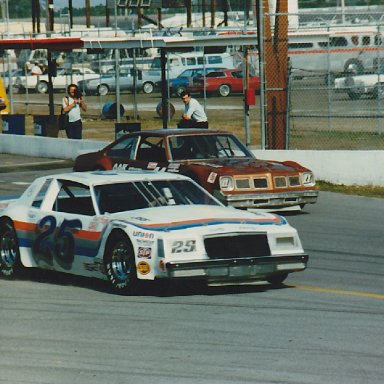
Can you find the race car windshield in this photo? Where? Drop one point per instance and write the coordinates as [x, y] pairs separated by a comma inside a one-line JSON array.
[[122, 197], [191, 147]]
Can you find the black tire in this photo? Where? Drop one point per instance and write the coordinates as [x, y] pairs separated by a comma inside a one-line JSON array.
[[355, 66], [378, 92], [119, 262], [180, 89], [148, 87], [224, 90], [355, 94], [277, 280], [103, 89], [42, 87], [10, 262]]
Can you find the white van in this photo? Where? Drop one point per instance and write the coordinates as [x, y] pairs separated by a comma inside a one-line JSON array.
[[178, 62]]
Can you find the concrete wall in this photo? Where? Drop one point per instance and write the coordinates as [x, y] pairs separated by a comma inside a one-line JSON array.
[[339, 167]]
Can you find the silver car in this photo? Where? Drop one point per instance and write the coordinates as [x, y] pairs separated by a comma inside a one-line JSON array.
[[106, 83]]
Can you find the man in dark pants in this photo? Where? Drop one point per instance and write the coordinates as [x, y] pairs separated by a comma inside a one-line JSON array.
[[73, 104], [194, 115]]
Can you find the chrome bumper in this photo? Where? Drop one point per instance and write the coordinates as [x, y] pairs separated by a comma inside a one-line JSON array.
[[247, 268], [268, 200]]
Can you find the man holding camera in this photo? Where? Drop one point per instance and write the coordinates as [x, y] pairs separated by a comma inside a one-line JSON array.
[[73, 104]]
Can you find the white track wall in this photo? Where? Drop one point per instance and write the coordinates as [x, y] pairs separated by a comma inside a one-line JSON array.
[[339, 167]]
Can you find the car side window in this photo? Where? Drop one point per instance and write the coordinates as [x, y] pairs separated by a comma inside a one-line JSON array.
[[74, 198], [125, 148], [36, 203], [151, 149]]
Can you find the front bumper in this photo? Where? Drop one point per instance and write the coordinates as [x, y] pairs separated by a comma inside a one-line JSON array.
[[269, 200], [248, 268]]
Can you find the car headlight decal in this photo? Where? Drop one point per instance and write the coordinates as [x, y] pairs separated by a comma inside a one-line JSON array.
[[308, 179], [226, 183]]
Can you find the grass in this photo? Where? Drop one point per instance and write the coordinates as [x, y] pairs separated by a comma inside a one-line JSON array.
[[359, 190]]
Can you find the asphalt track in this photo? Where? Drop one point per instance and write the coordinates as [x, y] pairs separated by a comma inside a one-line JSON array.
[[324, 326]]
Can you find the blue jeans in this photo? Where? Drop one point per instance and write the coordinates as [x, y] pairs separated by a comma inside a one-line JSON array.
[[74, 130]]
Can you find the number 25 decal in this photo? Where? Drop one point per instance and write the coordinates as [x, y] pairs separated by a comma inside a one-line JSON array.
[[58, 244], [183, 246]]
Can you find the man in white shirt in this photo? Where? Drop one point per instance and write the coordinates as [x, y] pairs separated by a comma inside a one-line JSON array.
[[36, 70], [194, 115], [73, 104]]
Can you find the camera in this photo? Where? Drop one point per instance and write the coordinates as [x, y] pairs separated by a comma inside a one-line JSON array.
[[77, 94]]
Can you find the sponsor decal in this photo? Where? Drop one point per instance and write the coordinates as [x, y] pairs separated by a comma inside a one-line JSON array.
[[212, 177], [139, 218], [120, 167], [144, 253], [145, 243], [98, 222], [143, 268], [93, 267], [174, 167], [162, 265], [143, 235], [152, 165]]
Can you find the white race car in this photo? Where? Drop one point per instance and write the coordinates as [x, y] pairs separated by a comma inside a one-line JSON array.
[[146, 225]]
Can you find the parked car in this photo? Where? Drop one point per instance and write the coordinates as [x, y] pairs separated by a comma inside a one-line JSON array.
[[104, 84], [125, 227], [64, 77], [185, 79], [356, 86], [224, 83], [217, 160]]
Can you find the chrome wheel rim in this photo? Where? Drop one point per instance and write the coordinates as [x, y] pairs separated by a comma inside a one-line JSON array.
[[8, 250], [120, 265]]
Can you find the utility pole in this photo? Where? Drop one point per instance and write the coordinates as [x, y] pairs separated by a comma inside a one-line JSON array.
[[88, 13], [275, 50], [35, 16], [189, 13], [70, 11], [50, 16], [212, 13]]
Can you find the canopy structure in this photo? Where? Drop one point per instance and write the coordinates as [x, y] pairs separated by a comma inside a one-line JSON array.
[[164, 43]]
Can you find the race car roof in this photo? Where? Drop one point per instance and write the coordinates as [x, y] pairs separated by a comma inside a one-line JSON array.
[[111, 177]]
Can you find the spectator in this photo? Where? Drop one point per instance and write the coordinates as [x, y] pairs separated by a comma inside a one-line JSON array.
[[73, 104], [36, 70], [194, 115]]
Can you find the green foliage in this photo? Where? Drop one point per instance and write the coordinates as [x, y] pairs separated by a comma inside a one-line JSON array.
[[20, 9]]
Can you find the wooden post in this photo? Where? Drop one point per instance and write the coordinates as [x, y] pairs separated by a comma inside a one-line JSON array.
[[276, 74]]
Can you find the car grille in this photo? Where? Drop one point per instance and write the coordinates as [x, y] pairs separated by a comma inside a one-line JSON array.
[[236, 246]]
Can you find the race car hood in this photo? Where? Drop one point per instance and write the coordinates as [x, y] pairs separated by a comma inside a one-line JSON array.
[[197, 215], [249, 165]]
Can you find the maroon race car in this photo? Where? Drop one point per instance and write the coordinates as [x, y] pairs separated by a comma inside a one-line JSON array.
[[217, 160]]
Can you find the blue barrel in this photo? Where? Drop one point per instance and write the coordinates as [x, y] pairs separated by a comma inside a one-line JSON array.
[[159, 109], [13, 124], [109, 110]]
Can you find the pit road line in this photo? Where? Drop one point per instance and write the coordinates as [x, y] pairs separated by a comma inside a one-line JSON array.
[[338, 291]]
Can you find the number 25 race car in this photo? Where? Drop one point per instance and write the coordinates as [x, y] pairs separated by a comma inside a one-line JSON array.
[[142, 225]]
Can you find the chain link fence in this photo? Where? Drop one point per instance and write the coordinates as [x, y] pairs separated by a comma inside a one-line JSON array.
[[335, 91]]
